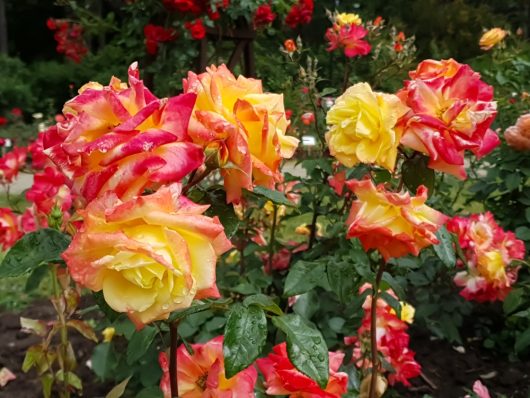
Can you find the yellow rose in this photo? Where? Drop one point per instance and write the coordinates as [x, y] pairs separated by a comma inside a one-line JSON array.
[[150, 255], [361, 127], [348, 19], [407, 312], [491, 38], [108, 334]]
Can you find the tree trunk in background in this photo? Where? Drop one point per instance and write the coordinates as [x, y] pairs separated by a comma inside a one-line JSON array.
[[3, 28]]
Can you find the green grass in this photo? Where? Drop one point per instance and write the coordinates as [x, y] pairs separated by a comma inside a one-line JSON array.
[[13, 296]]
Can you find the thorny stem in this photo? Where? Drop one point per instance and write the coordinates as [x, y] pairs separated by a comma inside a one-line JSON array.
[[373, 327], [273, 233], [58, 294], [174, 336]]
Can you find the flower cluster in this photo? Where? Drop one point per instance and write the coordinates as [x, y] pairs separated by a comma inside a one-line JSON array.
[[451, 111], [348, 33], [154, 35], [263, 16], [489, 252], [396, 224], [300, 13], [69, 38], [282, 378], [392, 340], [202, 374], [243, 126]]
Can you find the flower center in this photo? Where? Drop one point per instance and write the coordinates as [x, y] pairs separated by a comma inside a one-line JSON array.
[[201, 381]]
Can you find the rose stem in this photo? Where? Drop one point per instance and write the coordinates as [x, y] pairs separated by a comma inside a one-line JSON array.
[[373, 331]]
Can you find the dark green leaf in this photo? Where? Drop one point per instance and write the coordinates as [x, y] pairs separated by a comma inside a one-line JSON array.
[[415, 173], [244, 337], [445, 249], [512, 181], [194, 309], [140, 343], [33, 250], [265, 302], [104, 360], [522, 341], [392, 302], [104, 307], [306, 347], [225, 212], [342, 277], [150, 392], [36, 277], [513, 301], [275, 196], [304, 276]]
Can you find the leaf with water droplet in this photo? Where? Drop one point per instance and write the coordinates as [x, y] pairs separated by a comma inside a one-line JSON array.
[[244, 337]]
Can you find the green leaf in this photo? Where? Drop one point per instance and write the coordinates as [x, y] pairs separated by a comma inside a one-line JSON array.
[[276, 197], [392, 302], [512, 181], [265, 302], [304, 276], [513, 301], [194, 309], [150, 392], [72, 378], [306, 347], [522, 341], [104, 360], [342, 277], [84, 328], [523, 233], [244, 337], [140, 343], [219, 207], [118, 390], [327, 91], [32, 250], [104, 307], [36, 277], [415, 172], [47, 383], [445, 249]]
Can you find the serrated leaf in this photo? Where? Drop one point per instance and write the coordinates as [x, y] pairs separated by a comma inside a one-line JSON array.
[[341, 278], [84, 328], [118, 390], [415, 172], [244, 337], [445, 249], [304, 276], [265, 302], [33, 250], [139, 344], [306, 347], [276, 197]]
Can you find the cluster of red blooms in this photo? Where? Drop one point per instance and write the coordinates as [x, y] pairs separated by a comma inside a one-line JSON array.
[[392, 341], [155, 34], [69, 38], [398, 42], [489, 252], [300, 13], [15, 113], [263, 16], [49, 189], [349, 37]]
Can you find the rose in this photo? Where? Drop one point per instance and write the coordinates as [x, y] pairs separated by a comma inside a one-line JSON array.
[[348, 19], [244, 126], [10, 230], [196, 29], [11, 163], [451, 111], [202, 374], [518, 136], [282, 378], [396, 224], [150, 255], [123, 139], [49, 189], [349, 37], [491, 38], [263, 16], [361, 127], [290, 46]]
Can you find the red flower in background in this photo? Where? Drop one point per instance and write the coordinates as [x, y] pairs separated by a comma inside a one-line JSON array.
[[36, 149], [196, 29], [49, 189], [11, 163], [16, 112], [263, 16], [349, 37], [300, 13], [155, 34], [69, 38], [9, 228], [198, 8], [3, 121]]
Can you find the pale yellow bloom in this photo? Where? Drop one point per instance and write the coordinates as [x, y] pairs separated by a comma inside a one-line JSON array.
[[407, 312], [491, 38], [348, 19], [362, 127]]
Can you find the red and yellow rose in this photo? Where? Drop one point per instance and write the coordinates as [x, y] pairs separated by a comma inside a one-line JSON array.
[[150, 255]]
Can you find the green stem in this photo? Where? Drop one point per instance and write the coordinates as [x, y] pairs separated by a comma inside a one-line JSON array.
[[273, 234], [63, 331], [173, 366], [373, 330]]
